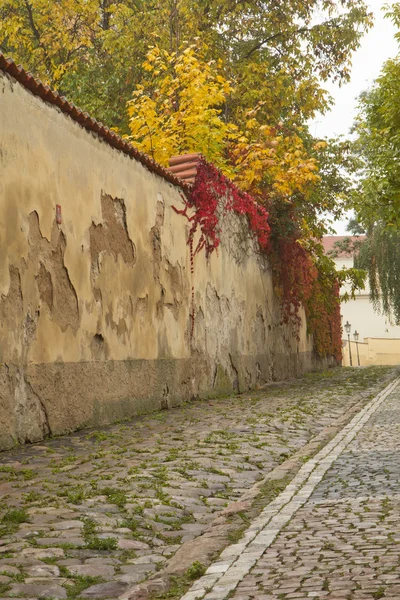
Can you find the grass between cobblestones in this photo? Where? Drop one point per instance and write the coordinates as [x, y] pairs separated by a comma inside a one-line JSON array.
[[127, 496]]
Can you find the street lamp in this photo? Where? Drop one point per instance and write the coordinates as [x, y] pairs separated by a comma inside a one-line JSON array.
[[356, 335], [347, 327]]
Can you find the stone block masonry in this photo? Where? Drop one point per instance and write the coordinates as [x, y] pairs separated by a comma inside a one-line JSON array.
[[95, 311]]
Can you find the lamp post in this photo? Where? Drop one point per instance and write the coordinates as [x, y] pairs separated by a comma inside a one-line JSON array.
[[347, 327], [356, 335]]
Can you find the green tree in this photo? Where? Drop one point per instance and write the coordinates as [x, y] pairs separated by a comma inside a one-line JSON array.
[[276, 52], [376, 198]]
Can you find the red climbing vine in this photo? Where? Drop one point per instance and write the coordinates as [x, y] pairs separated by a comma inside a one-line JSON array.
[[323, 316], [210, 186], [301, 279], [306, 280]]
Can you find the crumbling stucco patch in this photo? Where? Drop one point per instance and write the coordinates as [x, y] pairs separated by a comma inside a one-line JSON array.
[[259, 332], [53, 281], [176, 285], [140, 308], [45, 286], [111, 236], [99, 347], [169, 276], [155, 238], [120, 326], [29, 326], [11, 304], [11, 315]]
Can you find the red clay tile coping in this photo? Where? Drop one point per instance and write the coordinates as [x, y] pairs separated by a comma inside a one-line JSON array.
[[185, 166], [36, 87]]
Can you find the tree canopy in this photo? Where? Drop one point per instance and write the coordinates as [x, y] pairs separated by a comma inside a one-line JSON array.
[[376, 197], [277, 52]]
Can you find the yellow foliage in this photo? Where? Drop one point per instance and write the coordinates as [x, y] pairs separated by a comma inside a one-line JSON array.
[[50, 33], [273, 160], [179, 111]]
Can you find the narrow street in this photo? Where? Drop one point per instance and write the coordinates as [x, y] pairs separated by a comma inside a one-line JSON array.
[[199, 300], [122, 511], [334, 532]]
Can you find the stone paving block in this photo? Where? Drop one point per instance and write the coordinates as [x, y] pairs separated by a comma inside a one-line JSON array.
[[112, 589], [68, 525], [38, 591], [46, 580], [205, 582], [96, 570], [42, 553], [218, 567], [194, 594]]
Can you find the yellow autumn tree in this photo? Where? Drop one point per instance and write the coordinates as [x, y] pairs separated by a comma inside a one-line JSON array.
[[49, 37], [272, 159], [92, 50], [180, 109]]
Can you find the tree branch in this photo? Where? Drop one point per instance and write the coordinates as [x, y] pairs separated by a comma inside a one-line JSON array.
[[259, 45], [37, 35]]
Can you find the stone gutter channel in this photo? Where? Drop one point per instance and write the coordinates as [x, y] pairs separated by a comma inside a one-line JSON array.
[[236, 560]]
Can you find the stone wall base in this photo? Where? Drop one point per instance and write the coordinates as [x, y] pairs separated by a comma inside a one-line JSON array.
[[38, 400]]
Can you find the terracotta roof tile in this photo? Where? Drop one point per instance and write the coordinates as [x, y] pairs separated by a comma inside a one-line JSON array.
[[185, 166], [48, 95]]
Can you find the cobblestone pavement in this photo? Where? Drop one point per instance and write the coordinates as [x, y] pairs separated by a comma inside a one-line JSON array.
[[338, 540], [91, 514]]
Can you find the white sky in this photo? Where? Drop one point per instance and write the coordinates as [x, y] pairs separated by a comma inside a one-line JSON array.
[[377, 46]]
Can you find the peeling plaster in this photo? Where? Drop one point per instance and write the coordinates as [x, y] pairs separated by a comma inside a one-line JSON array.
[[95, 312]]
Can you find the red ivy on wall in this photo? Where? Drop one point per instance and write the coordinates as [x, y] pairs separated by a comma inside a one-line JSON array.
[[298, 281], [301, 281], [294, 274], [323, 317], [210, 186]]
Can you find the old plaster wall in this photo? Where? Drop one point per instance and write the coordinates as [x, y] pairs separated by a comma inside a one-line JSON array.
[[95, 312]]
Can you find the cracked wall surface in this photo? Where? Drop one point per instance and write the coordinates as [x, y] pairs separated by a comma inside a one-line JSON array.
[[55, 288], [97, 320]]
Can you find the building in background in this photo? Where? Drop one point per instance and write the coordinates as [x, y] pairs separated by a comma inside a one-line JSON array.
[[379, 340]]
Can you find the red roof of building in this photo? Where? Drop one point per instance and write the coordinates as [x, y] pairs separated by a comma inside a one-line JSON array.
[[36, 87], [329, 241]]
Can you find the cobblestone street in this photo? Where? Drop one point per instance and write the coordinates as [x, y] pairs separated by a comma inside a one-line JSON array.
[[93, 514], [337, 536]]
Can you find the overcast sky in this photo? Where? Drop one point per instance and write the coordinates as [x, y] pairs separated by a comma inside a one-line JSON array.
[[376, 46]]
